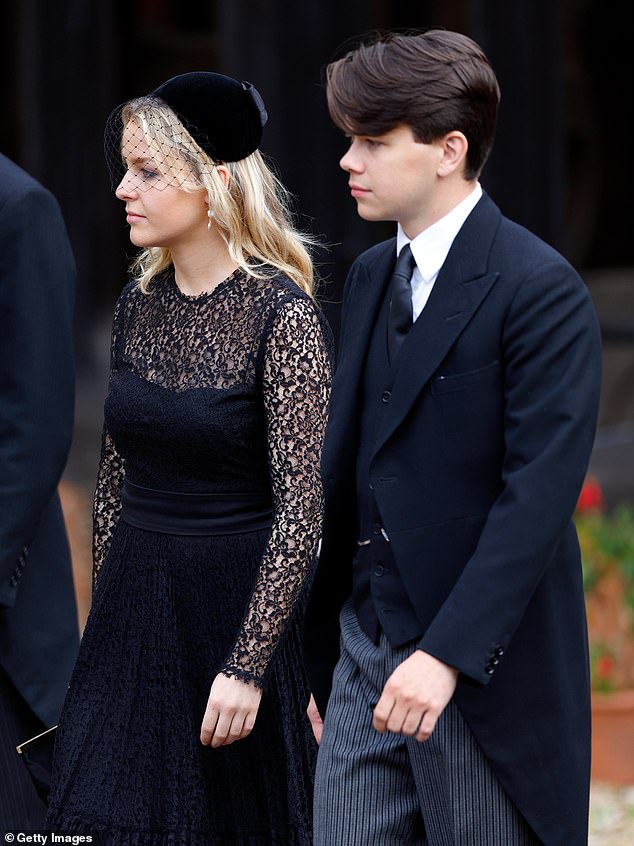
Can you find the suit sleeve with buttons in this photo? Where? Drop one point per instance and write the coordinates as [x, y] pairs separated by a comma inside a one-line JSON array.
[[552, 366]]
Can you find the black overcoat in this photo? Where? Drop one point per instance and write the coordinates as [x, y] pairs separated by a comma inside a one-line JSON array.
[[486, 433], [39, 633]]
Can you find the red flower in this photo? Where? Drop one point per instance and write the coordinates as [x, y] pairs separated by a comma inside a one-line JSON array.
[[591, 497], [605, 666]]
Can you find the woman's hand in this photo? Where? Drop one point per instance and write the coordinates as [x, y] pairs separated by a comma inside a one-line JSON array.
[[231, 711], [316, 721]]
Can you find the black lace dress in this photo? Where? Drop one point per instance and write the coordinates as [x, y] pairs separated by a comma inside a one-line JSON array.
[[224, 393]]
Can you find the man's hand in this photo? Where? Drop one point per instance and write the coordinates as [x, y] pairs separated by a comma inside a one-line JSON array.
[[231, 711], [316, 721], [414, 696]]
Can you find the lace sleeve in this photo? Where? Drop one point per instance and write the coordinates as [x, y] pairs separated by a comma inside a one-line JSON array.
[[107, 499], [296, 386]]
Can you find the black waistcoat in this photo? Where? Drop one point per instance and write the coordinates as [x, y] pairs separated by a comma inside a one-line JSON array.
[[379, 596]]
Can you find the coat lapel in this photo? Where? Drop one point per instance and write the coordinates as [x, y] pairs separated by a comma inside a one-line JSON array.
[[462, 284], [370, 284]]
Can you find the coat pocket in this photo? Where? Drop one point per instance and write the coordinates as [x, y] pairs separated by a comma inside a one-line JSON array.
[[472, 412], [489, 374]]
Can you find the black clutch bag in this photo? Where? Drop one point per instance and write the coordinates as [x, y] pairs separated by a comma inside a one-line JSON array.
[[37, 754]]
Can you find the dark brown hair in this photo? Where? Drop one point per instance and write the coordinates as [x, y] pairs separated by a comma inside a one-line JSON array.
[[435, 82]]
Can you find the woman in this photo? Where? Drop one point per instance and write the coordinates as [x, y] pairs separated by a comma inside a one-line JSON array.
[[185, 718]]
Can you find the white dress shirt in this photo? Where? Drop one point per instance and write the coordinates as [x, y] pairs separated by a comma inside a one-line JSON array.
[[431, 247]]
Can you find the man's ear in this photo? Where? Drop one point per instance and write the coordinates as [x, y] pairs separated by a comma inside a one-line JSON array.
[[454, 153]]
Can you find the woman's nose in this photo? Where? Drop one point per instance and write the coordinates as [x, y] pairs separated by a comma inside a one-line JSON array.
[[126, 187]]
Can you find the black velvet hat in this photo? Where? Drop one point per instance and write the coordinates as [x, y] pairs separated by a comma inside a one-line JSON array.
[[224, 116]]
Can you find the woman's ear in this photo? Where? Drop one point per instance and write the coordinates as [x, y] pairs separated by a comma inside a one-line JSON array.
[[224, 174], [454, 153]]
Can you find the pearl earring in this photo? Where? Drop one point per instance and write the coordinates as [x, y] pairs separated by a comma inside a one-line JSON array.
[[210, 214]]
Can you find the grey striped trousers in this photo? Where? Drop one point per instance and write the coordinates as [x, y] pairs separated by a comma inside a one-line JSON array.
[[376, 789]]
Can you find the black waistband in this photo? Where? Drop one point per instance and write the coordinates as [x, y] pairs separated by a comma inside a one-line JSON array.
[[174, 513]]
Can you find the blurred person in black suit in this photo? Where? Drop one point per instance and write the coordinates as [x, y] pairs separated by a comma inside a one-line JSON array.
[[39, 632]]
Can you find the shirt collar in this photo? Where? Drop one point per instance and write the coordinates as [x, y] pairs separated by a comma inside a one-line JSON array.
[[431, 246]]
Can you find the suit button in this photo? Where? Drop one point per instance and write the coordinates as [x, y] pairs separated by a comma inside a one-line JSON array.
[[13, 581], [385, 396], [378, 571], [489, 670], [499, 652], [371, 486]]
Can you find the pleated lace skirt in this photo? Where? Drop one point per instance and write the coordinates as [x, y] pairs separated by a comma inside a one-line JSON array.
[[129, 765]]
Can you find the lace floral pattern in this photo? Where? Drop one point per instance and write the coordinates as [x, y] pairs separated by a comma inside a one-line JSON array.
[[231, 394], [107, 499], [295, 398]]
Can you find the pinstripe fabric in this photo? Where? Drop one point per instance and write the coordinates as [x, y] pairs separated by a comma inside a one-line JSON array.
[[20, 806], [388, 790]]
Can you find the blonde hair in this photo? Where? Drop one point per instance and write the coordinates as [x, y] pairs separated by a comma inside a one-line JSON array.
[[252, 214]]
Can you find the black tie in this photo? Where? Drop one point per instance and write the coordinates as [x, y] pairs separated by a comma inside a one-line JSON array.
[[399, 321]]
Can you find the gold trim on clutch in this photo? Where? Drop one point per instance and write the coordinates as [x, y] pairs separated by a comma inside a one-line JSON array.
[[31, 740]]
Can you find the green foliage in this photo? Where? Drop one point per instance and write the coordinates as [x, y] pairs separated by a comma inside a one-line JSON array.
[[603, 663], [607, 542], [607, 553]]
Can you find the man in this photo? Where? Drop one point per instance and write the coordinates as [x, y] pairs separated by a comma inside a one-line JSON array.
[[38, 619], [461, 424]]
